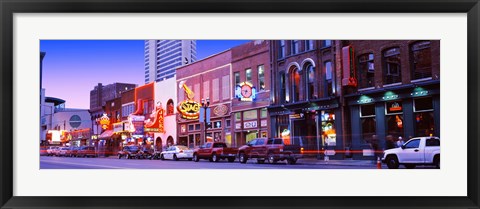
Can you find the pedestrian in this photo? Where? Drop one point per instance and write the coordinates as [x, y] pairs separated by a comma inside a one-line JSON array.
[[375, 145], [400, 141], [389, 143]]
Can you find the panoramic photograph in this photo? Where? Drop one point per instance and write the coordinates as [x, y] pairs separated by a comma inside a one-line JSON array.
[[239, 104]]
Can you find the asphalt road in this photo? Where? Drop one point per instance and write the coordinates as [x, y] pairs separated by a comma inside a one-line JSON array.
[[114, 163]]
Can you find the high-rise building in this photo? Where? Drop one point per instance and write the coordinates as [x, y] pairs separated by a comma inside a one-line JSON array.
[[162, 57]]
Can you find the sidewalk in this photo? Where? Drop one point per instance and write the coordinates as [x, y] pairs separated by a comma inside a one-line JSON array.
[[346, 162]]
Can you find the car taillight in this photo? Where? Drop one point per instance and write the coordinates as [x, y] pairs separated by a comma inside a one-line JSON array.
[[301, 150]]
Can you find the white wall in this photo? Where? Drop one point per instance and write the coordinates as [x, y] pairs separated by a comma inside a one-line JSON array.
[[61, 118], [165, 90]]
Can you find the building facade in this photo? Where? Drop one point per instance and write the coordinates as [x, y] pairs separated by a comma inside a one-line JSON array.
[[207, 79], [305, 96], [251, 90], [162, 57], [166, 98], [397, 92]]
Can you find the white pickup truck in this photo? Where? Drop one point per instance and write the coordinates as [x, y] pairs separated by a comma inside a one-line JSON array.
[[416, 151]]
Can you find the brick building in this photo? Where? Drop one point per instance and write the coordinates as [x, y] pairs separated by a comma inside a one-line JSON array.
[[398, 91], [251, 90], [305, 95], [209, 78], [334, 95]]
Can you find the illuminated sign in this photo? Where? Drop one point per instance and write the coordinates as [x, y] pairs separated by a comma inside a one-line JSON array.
[[156, 121], [104, 121], [118, 127], [245, 92], [348, 65], [220, 110], [251, 124], [189, 109]]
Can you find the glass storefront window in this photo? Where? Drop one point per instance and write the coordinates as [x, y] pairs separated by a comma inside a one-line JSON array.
[[263, 113], [250, 115], [329, 134], [424, 119], [238, 116], [368, 122], [394, 112], [251, 135]]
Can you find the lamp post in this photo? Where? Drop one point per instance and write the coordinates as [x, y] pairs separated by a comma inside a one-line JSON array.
[[205, 116]]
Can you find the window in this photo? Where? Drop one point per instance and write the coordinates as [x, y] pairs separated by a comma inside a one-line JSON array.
[[227, 123], [219, 145], [424, 118], [226, 87], [294, 47], [281, 48], [260, 142], [308, 45], [295, 93], [216, 90], [197, 127], [391, 63], [237, 79], [238, 116], [329, 87], [329, 134], [326, 43], [261, 78], [190, 127], [208, 145], [368, 122], [250, 115], [412, 144], [283, 90], [248, 74], [421, 60], [311, 82], [170, 107], [206, 89], [217, 124], [394, 117], [263, 113], [366, 71], [432, 142]]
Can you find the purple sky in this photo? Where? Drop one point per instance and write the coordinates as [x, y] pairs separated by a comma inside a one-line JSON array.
[[71, 68]]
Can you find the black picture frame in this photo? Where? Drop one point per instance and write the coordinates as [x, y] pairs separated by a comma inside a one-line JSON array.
[[10, 7]]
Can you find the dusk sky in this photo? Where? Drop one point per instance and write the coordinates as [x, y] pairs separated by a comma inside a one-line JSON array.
[[72, 68]]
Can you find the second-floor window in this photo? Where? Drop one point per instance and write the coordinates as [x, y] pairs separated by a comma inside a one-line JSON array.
[[326, 43], [170, 107], [237, 78], [391, 64], [329, 87], [311, 82], [365, 71], [261, 78], [295, 93], [248, 75], [283, 90], [421, 60], [308, 45]]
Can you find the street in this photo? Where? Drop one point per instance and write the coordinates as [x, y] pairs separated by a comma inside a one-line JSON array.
[[114, 163]]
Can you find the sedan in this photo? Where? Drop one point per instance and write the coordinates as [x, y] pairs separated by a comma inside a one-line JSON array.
[[62, 151], [177, 152]]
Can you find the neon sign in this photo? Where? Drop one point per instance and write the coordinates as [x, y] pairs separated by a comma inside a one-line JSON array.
[[104, 121], [245, 92], [156, 121], [189, 109]]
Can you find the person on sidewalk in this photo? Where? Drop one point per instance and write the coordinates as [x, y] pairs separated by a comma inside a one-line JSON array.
[[399, 141], [375, 146], [389, 143]]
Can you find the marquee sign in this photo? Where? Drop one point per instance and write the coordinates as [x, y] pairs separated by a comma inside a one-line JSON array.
[[104, 121], [245, 92], [189, 109], [156, 121]]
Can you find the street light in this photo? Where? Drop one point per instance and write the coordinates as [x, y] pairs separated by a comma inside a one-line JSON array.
[[205, 116]]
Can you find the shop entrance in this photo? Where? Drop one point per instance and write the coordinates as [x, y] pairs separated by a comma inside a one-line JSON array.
[[170, 141], [158, 143], [183, 141]]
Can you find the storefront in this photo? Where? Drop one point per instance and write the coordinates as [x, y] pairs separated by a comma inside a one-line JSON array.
[[250, 124], [404, 111], [316, 125], [79, 137]]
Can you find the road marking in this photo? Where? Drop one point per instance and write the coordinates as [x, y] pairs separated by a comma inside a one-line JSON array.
[[81, 164]]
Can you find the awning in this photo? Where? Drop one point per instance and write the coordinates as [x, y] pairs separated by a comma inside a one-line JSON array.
[[106, 134]]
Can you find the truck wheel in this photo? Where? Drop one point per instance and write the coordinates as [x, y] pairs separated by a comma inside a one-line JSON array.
[[195, 157], [175, 157], [242, 158], [161, 157], [291, 161], [436, 161], [231, 159], [260, 161], [119, 156], [410, 166], [271, 158], [215, 157], [392, 162]]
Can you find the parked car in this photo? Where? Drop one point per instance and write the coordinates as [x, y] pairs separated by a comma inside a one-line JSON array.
[[62, 151], [416, 151], [129, 152], [72, 152], [43, 151], [51, 150], [214, 151], [86, 151], [271, 149], [177, 152]]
